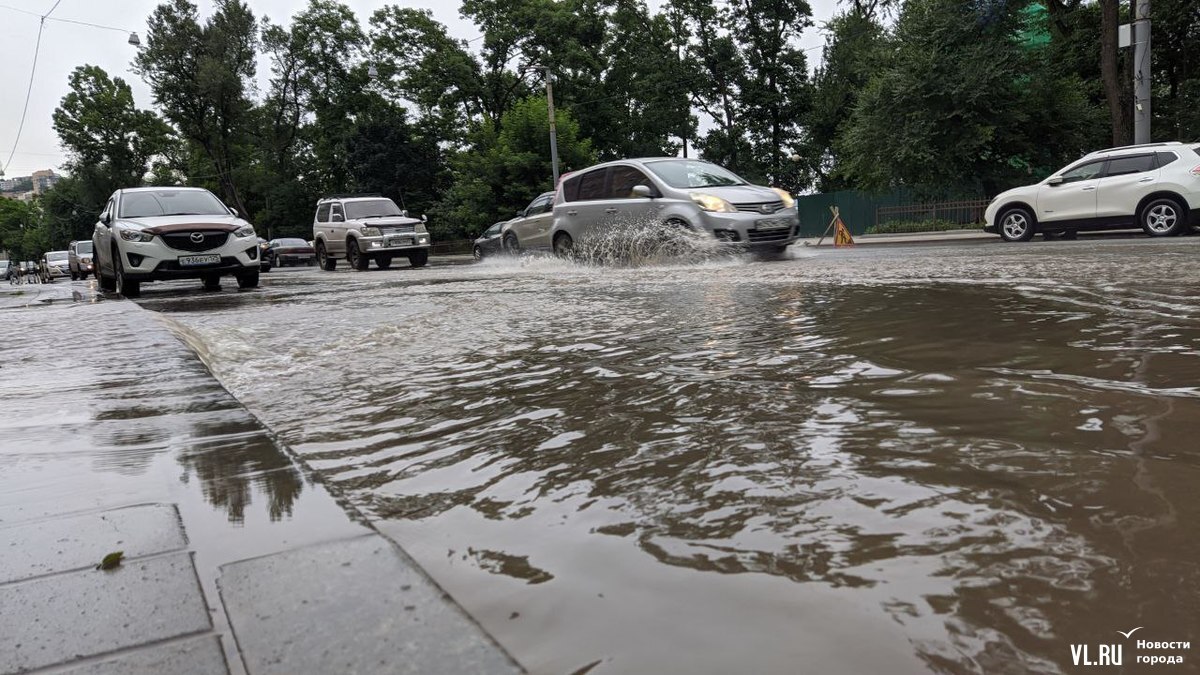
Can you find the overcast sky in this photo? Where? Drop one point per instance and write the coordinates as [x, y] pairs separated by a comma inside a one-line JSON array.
[[65, 46]]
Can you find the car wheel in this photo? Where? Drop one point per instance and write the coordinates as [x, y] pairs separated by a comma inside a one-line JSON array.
[[328, 264], [355, 257], [1162, 217], [125, 287], [511, 245], [212, 282], [564, 245], [248, 279], [477, 252], [419, 257], [383, 262], [1016, 225]]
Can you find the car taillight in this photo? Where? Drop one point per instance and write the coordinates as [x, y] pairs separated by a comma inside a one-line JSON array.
[[1196, 171]]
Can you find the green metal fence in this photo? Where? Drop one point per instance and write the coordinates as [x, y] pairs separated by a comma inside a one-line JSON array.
[[857, 209]]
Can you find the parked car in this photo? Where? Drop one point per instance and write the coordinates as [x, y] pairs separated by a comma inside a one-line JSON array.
[[7, 271], [531, 225], [79, 259], [54, 265], [156, 233], [674, 192], [1154, 186], [290, 251], [363, 228]]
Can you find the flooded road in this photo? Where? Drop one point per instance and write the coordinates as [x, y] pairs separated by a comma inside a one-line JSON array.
[[962, 459]]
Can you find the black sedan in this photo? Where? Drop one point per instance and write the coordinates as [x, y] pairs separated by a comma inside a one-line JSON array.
[[488, 243], [290, 251]]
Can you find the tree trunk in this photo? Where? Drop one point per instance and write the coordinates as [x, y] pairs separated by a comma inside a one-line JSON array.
[[1110, 73]]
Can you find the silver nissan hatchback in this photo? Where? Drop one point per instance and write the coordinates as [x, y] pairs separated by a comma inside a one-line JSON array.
[[672, 191]]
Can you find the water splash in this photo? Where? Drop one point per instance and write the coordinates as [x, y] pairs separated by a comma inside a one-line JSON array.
[[640, 242]]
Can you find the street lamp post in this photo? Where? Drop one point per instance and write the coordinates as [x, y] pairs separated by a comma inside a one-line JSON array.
[[553, 127]]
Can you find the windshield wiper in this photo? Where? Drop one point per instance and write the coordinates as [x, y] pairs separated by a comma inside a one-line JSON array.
[[182, 213], [380, 215]]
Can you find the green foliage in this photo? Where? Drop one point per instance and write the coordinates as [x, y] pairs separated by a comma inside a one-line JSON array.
[[21, 233], [905, 227], [503, 171], [958, 107]]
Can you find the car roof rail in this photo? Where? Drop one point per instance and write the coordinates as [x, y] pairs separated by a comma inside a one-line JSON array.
[[351, 195], [1133, 147]]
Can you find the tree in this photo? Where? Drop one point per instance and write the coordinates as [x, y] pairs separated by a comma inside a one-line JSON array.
[[853, 54], [960, 108], [200, 76], [100, 127], [504, 170]]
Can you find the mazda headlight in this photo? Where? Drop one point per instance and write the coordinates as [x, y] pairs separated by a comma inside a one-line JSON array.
[[244, 231], [788, 202], [135, 235], [370, 231], [713, 203]]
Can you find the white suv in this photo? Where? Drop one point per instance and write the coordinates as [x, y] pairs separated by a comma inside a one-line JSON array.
[[153, 233], [1154, 186], [362, 228]]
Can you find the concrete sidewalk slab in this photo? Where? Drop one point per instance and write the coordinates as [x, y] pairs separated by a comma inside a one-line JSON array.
[[82, 541], [373, 610], [59, 618], [192, 656]]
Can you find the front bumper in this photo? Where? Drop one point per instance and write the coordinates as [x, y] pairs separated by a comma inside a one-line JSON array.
[[393, 243], [154, 260], [753, 230]]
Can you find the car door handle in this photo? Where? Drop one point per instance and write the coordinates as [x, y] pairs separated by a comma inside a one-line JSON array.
[[610, 211], [572, 213], [1087, 188], [1148, 179]]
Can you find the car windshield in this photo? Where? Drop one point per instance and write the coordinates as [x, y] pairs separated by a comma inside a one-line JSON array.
[[152, 203], [56, 255], [83, 248], [371, 208], [291, 242], [691, 173]]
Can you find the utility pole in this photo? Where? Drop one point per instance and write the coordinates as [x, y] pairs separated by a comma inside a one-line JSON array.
[[553, 127], [1141, 72]]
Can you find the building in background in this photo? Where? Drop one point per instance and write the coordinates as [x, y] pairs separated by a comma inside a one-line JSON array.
[[44, 180]]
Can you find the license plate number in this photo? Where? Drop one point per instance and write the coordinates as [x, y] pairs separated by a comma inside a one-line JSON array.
[[771, 224], [192, 260], [400, 241]]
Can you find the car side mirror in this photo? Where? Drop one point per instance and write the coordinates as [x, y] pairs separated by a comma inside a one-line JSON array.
[[642, 191], [424, 219], [520, 213], [337, 218], [105, 218], [1055, 180]]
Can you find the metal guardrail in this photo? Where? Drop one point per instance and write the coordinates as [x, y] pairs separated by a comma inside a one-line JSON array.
[[962, 212]]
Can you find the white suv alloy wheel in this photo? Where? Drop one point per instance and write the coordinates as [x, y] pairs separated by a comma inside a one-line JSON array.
[[1015, 225], [1161, 218]]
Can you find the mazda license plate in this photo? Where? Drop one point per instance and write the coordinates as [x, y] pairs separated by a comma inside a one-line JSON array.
[[771, 224], [193, 260]]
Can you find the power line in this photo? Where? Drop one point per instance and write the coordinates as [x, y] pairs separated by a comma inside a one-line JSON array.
[[29, 90]]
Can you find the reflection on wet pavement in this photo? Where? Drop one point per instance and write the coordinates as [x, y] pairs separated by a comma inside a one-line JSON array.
[[106, 408], [961, 459]]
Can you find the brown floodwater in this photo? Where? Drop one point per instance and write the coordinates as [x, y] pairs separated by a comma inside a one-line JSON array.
[[960, 459]]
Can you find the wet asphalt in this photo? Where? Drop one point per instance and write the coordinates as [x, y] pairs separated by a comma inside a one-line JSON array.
[[959, 458]]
